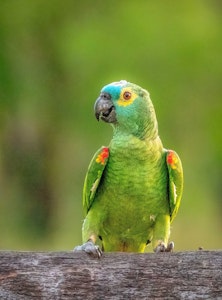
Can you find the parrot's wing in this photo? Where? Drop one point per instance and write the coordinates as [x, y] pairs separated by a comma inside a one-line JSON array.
[[175, 172], [93, 177]]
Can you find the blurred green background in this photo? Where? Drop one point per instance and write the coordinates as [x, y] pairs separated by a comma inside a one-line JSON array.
[[55, 56]]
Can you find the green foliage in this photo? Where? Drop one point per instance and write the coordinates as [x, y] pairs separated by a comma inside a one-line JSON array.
[[54, 58]]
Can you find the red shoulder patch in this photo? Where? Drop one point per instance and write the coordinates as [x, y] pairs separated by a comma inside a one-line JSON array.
[[172, 159], [104, 154]]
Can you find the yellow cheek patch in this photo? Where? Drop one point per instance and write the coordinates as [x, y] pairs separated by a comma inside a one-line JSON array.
[[124, 102]]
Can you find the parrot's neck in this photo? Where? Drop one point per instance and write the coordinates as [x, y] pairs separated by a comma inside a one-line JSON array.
[[148, 142], [135, 150], [147, 131]]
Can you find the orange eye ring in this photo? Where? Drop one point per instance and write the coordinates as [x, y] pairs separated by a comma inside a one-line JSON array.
[[127, 95]]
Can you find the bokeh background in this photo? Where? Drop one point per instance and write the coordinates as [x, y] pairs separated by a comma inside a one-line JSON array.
[[55, 56]]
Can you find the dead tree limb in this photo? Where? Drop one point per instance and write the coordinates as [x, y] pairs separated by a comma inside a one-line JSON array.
[[68, 275]]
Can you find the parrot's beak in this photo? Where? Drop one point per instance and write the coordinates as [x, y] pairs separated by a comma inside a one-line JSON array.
[[104, 108]]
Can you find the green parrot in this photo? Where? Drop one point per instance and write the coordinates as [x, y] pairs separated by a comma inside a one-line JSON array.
[[133, 188]]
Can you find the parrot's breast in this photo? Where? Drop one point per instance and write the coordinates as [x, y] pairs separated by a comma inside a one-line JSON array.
[[133, 190]]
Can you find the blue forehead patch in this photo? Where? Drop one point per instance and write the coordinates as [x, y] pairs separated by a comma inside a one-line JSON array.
[[114, 88]]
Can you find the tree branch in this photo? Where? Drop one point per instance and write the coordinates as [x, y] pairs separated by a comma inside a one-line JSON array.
[[68, 275]]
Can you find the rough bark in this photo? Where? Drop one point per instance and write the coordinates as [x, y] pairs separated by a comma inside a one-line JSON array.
[[68, 275]]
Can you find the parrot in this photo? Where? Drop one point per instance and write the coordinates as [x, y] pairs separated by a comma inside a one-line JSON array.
[[133, 188]]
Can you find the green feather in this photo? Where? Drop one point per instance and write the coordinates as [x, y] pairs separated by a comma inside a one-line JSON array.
[[93, 177], [175, 181]]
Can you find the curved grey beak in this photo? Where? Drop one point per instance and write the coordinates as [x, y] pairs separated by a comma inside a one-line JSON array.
[[104, 108]]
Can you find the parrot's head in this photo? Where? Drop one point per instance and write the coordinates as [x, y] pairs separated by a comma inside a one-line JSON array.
[[128, 108]]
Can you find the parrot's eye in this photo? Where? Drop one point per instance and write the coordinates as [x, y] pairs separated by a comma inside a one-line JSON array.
[[127, 95]]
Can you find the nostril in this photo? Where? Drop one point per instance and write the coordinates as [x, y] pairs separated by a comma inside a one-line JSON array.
[[105, 96]]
